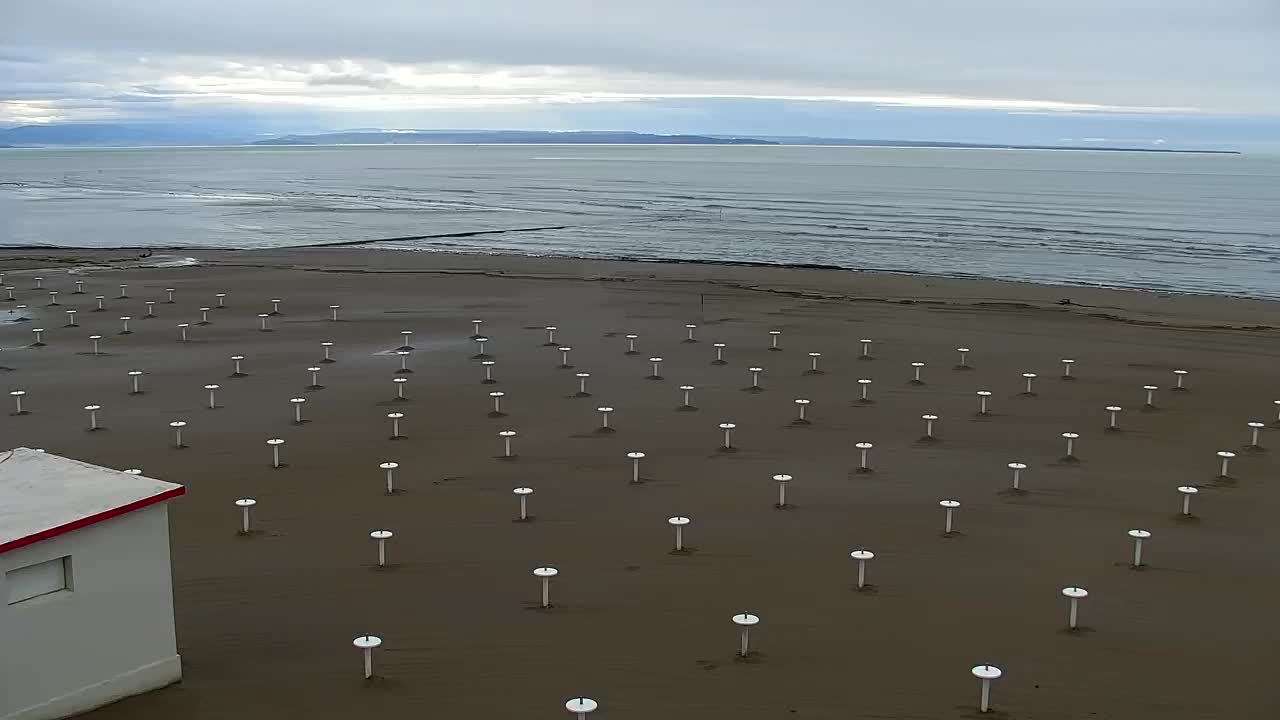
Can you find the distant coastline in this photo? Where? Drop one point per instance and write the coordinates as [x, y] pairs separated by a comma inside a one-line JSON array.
[[87, 135]]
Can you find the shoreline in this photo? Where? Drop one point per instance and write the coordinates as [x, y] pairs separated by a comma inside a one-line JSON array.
[[10, 253]]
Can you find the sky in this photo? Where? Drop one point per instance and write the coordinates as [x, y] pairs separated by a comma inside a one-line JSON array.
[[1084, 70]]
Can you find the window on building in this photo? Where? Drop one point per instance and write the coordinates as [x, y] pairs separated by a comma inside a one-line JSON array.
[[33, 581]]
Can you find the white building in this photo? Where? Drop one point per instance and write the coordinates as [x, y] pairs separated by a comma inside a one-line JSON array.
[[86, 594]]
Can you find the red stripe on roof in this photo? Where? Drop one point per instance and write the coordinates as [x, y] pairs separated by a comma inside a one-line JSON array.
[[92, 519]]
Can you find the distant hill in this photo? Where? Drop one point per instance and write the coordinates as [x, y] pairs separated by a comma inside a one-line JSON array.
[[514, 137]]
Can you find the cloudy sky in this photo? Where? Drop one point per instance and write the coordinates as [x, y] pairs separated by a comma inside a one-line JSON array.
[[748, 66]]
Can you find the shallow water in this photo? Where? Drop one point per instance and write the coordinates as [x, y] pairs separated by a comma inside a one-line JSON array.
[[1189, 223]]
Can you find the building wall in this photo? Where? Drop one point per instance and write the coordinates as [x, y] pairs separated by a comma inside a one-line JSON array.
[[109, 637]]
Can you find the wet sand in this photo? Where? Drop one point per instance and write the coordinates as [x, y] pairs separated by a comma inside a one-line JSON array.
[[265, 622]]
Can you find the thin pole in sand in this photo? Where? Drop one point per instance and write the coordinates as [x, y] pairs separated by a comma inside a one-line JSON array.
[[263, 327], [151, 309], [604, 419], [99, 299], [497, 404], [928, 426], [475, 328], [382, 536], [39, 340], [212, 388], [71, 319], [480, 353], [9, 289], [328, 347], [245, 504], [782, 479], [678, 522], [407, 340], [389, 469], [581, 707], [564, 357], [1075, 595], [169, 292], [1187, 491], [864, 448], [1151, 395], [297, 403], [177, 426], [631, 345], [773, 340], [275, 306], [400, 381], [123, 288], [657, 368], [404, 361], [237, 373], [395, 425], [17, 401], [950, 506], [40, 283], [690, 338], [964, 363], [1030, 378], [182, 329], [333, 312], [1255, 427], [687, 406], [1066, 369], [865, 384], [204, 316], [506, 436], [915, 378], [93, 416], [1277, 404], [315, 378], [813, 364], [582, 384], [1138, 536], [135, 376], [801, 404], [1113, 411], [1180, 375], [635, 457], [728, 437], [545, 573], [551, 336], [986, 673], [1226, 456], [982, 402], [275, 444], [755, 379], [78, 291], [488, 372], [95, 339], [53, 298], [862, 556], [1071, 438], [745, 621], [222, 300], [366, 644], [719, 354], [1017, 469], [523, 494]]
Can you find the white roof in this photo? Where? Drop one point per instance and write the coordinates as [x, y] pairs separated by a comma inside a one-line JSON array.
[[44, 495]]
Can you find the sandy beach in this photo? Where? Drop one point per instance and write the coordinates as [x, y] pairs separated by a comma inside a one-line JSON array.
[[265, 622]]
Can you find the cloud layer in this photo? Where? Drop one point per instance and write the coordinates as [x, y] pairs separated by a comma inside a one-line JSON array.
[[430, 61]]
